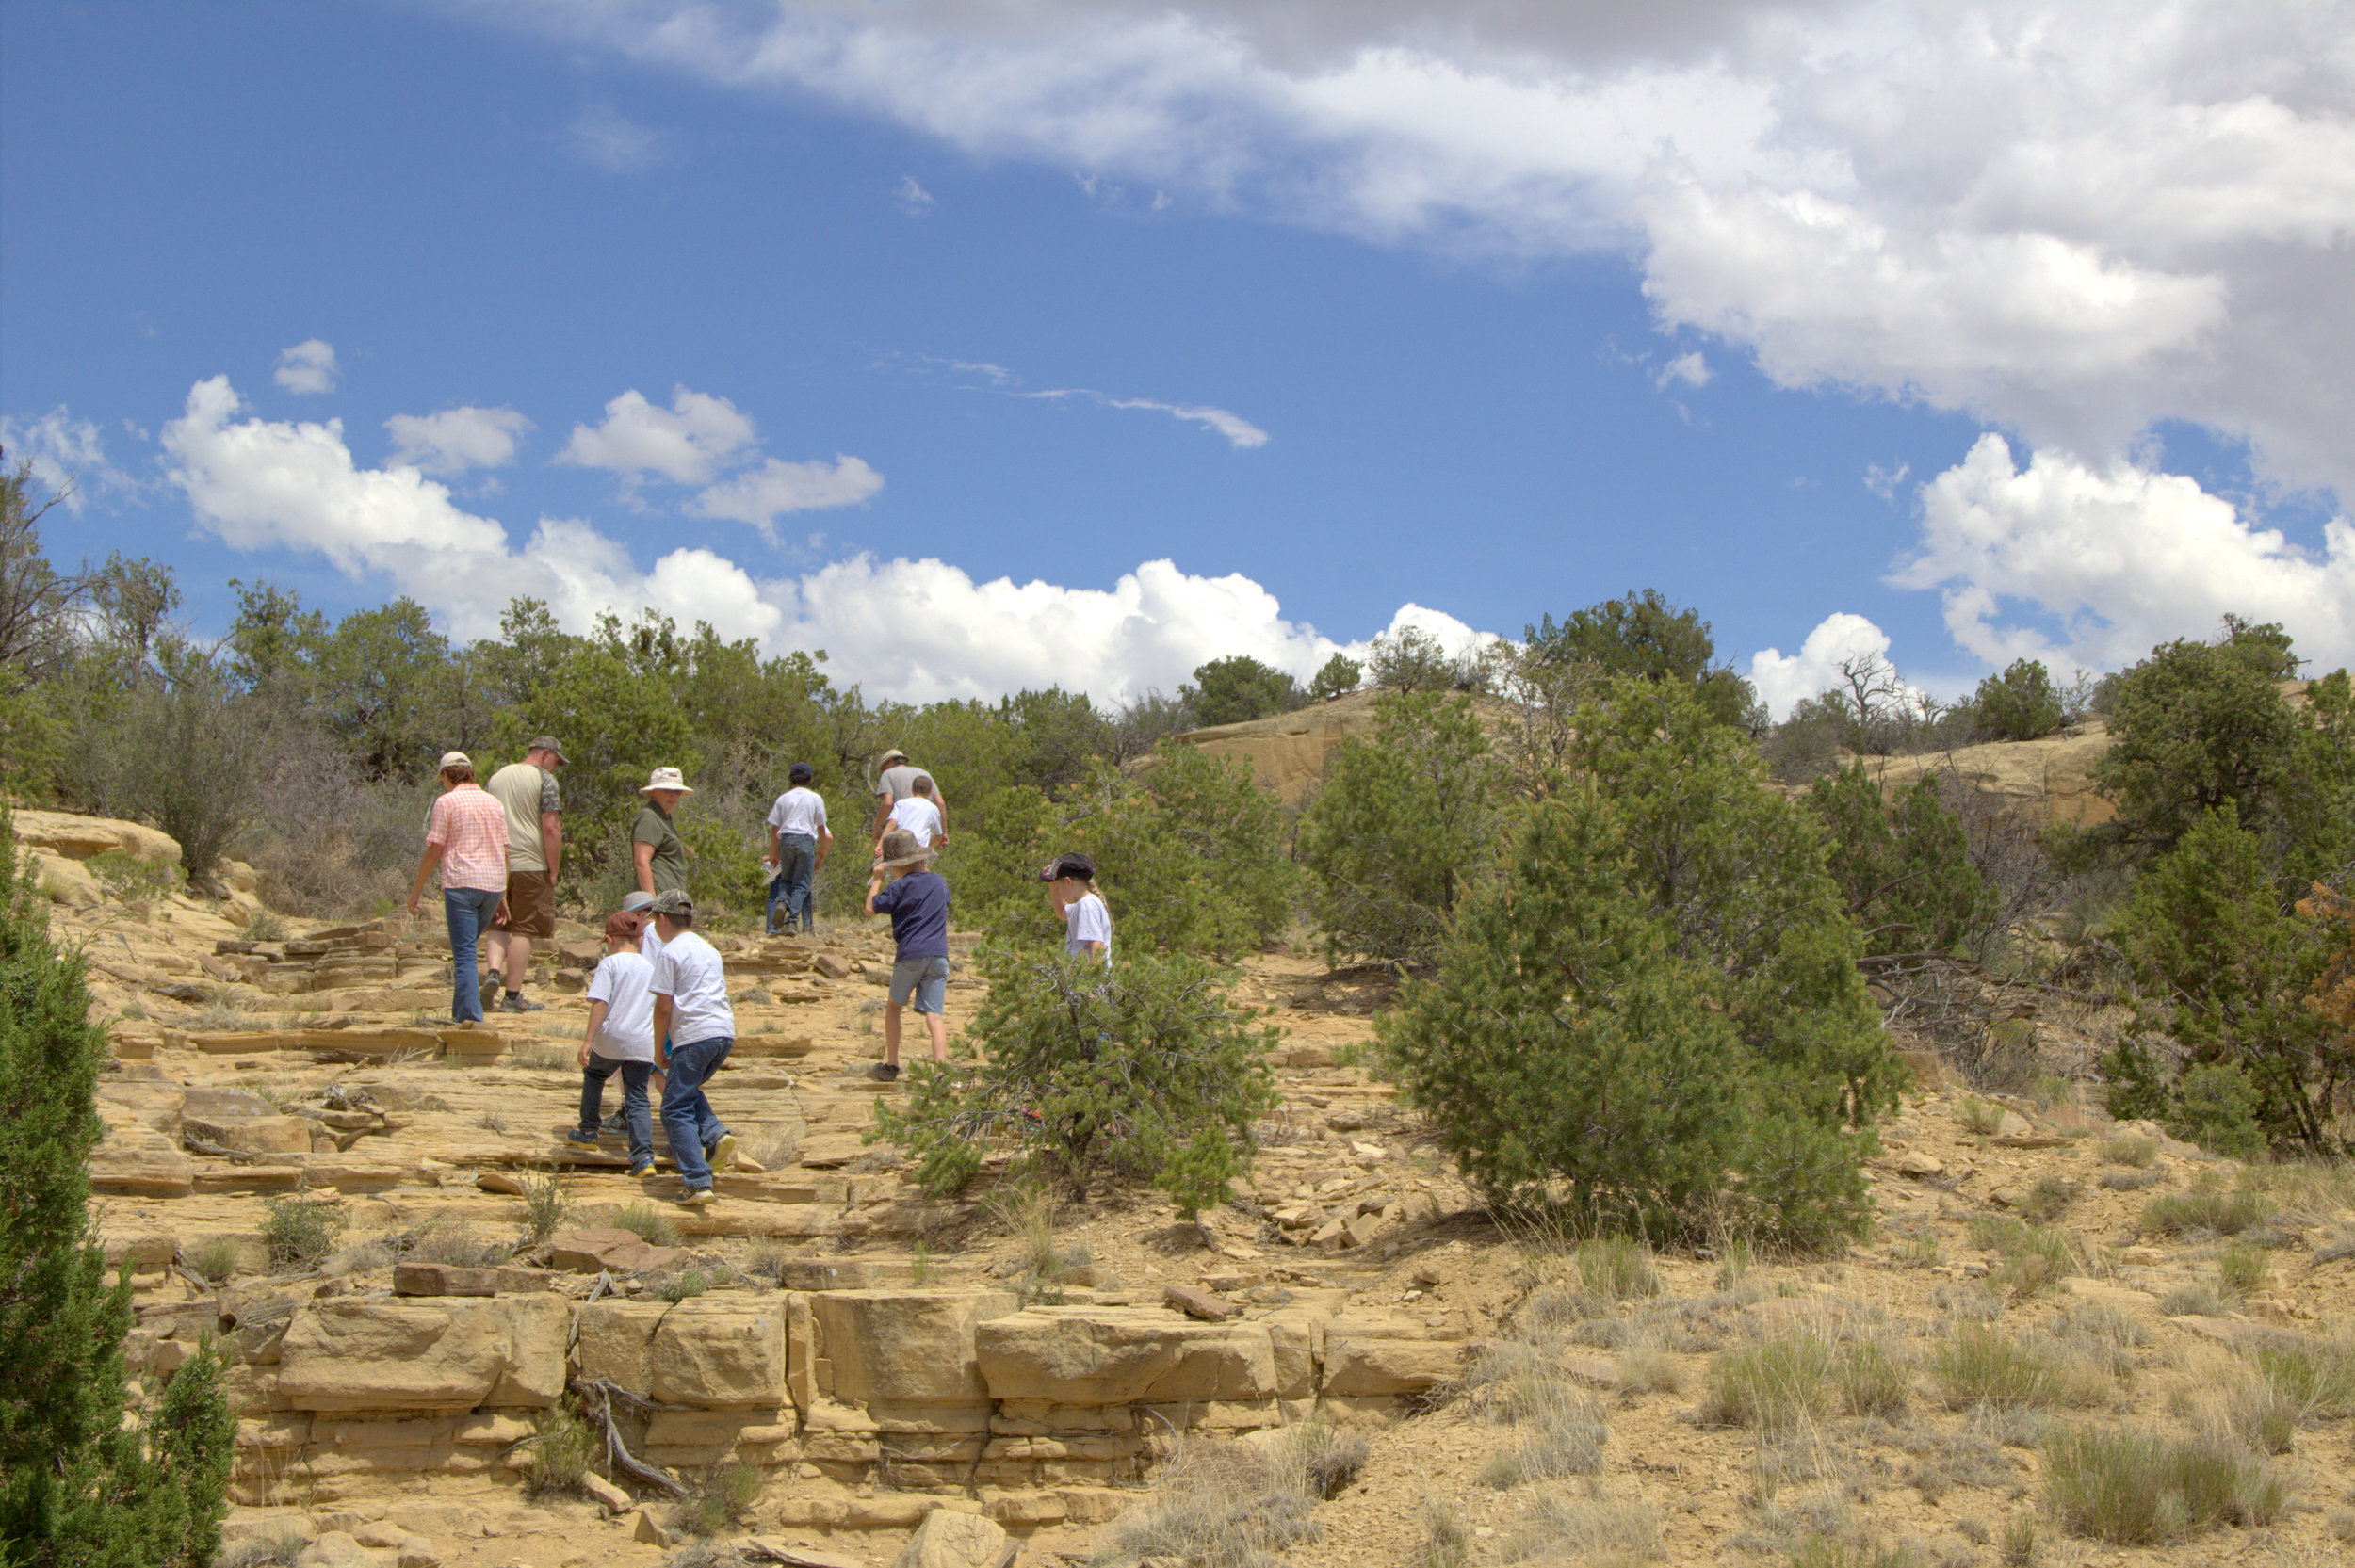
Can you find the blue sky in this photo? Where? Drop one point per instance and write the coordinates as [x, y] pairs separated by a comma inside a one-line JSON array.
[[1362, 317]]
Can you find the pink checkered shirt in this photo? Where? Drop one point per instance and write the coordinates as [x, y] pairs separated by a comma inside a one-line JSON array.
[[471, 827]]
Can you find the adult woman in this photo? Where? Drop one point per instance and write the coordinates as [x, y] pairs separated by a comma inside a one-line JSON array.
[[467, 837]]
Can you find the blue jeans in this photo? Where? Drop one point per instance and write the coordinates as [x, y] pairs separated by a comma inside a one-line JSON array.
[[468, 909], [686, 1118], [797, 862], [636, 1115]]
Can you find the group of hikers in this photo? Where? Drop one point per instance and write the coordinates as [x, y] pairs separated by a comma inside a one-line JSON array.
[[658, 1001]]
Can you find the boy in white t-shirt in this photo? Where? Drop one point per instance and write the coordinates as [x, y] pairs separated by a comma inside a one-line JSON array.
[[620, 1039], [698, 1030], [917, 816], [1087, 924]]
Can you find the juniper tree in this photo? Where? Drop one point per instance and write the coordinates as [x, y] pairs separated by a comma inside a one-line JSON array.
[[78, 1484]]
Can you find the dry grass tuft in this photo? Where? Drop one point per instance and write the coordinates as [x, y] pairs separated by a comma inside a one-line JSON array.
[[1797, 1381], [1228, 1506], [2126, 1150], [2214, 1212], [2138, 1488], [1612, 1532], [647, 1222], [1983, 1365]]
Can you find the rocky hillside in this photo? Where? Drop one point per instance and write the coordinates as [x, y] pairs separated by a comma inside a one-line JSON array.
[[1349, 1364]]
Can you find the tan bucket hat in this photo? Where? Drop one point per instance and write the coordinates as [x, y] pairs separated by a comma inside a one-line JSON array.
[[665, 778], [900, 847]]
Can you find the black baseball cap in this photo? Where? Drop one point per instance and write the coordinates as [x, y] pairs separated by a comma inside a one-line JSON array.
[[1073, 865]]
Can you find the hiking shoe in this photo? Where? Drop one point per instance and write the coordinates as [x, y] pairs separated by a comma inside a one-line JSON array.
[[515, 1001], [494, 976], [722, 1155], [696, 1197], [579, 1140], [883, 1072], [643, 1168]]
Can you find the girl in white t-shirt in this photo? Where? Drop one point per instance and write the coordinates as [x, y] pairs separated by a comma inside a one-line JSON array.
[[620, 1039], [1087, 924]]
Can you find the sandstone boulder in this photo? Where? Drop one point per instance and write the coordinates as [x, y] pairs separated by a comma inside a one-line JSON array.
[[902, 1347], [75, 837], [361, 1354], [1365, 1354], [592, 1249], [1123, 1355], [948, 1538], [711, 1352]]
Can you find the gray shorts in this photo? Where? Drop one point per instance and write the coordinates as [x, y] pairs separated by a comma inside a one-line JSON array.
[[926, 978]]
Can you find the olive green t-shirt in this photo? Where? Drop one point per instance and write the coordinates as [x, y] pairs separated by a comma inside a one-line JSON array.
[[669, 865]]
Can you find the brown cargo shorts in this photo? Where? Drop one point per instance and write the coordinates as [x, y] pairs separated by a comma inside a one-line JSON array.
[[530, 905]]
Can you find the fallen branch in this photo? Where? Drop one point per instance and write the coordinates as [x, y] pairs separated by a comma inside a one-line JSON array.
[[617, 1454]]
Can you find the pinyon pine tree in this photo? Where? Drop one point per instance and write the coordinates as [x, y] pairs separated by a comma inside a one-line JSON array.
[[1652, 1017], [76, 1484]]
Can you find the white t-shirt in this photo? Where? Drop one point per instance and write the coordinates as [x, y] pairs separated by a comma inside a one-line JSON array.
[[625, 983], [919, 817], [1085, 920], [689, 972], [649, 945], [799, 811]]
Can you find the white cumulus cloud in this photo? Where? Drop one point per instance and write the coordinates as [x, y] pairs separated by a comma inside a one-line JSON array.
[[309, 366], [917, 630], [1785, 680], [2083, 564], [454, 439], [686, 443], [761, 496], [2071, 220]]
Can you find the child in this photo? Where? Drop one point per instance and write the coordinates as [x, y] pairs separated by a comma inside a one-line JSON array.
[[917, 902], [1087, 924], [698, 1030], [918, 816], [620, 1039]]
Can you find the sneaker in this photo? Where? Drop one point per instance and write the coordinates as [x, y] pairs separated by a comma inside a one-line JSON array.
[[515, 1001], [495, 979], [722, 1155], [579, 1140], [643, 1168], [883, 1072], [696, 1197]]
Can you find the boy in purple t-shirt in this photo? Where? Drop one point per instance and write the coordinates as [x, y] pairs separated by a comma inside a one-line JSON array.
[[917, 902]]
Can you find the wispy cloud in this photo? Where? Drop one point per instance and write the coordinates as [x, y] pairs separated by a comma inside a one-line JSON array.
[[1240, 432], [1883, 483], [609, 140], [914, 199], [65, 452], [308, 366], [1690, 369]]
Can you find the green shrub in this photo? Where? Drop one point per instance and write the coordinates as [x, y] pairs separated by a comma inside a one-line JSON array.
[[724, 1498], [561, 1453], [2216, 1106], [2018, 705], [1575, 1051], [545, 1202], [263, 926], [1146, 1066], [1403, 829], [2241, 1268], [1775, 1385], [1904, 866], [2139, 1488], [77, 1482], [214, 1260], [301, 1232]]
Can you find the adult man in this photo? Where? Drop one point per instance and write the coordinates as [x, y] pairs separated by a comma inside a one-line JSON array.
[[897, 783], [466, 839], [799, 843], [697, 1027], [657, 852], [535, 853]]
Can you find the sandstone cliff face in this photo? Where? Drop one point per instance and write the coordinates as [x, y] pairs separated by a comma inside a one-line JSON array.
[[1286, 752], [2042, 782]]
